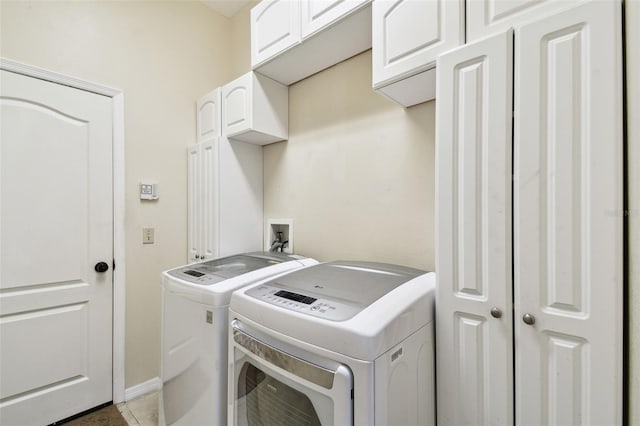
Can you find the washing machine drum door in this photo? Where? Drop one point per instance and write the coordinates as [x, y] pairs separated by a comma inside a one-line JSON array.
[[269, 401], [272, 387]]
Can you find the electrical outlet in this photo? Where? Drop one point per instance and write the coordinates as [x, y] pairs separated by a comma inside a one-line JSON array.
[[148, 235]]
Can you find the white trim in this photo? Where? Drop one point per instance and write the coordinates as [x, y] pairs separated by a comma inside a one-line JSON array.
[[56, 77], [118, 204], [143, 388], [119, 276]]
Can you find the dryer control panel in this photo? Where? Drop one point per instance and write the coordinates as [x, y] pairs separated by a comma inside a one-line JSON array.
[[308, 303]]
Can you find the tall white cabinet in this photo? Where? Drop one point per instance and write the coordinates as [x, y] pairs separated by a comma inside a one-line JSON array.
[[225, 210], [202, 183], [529, 226]]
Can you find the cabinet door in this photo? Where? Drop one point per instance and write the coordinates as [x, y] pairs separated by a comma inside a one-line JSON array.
[[209, 199], [208, 115], [486, 17], [237, 111], [408, 35], [568, 203], [193, 208], [319, 14], [275, 27], [255, 109], [474, 293]]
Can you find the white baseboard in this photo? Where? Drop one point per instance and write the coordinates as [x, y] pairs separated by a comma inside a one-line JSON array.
[[143, 388]]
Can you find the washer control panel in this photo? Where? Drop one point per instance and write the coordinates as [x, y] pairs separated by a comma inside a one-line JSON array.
[[310, 304]]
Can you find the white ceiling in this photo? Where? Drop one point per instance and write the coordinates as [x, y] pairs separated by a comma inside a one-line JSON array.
[[227, 8]]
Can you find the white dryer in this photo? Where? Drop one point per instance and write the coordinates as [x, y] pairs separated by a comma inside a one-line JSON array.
[[339, 343], [195, 301]]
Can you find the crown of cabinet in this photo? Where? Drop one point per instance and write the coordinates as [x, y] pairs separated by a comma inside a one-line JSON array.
[[293, 39]]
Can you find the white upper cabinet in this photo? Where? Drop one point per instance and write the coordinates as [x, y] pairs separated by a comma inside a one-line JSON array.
[[208, 116], [275, 27], [408, 35], [486, 17], [320, 14], [255, 110], [293, 39]]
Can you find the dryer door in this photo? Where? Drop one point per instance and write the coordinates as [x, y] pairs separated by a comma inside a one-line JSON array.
[[274, 384]]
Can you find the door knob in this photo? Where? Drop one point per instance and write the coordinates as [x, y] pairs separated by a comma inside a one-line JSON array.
[[529, 319], [101, 267], [496, 312]]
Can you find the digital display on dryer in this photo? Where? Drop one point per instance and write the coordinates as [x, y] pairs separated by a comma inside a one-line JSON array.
[[194, 273], [296, 297]]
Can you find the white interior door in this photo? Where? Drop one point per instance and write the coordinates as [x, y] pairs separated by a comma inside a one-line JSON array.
[[56, 223], [474, 294], [568, 218]]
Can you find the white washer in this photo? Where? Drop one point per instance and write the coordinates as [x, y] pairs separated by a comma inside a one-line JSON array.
[[195, 301], [338, 343]]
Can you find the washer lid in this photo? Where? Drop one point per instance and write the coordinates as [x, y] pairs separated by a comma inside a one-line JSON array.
[[216, 270], [335, 290]]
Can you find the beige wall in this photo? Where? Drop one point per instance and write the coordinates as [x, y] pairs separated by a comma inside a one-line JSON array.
[[241, 36], [164, 55], [357, 173], [633, 176]]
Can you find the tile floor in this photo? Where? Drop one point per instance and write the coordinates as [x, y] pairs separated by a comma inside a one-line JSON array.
[[142, 411]]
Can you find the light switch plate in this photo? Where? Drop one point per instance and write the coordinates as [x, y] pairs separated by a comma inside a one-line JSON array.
[[148, 236]]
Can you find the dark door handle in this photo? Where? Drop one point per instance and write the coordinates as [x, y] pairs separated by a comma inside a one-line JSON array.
[[101, 267]]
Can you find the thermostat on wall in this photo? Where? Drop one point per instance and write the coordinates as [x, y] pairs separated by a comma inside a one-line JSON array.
[[148, 191]]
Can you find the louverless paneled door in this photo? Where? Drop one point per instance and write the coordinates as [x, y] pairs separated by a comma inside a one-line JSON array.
[[557, 231]]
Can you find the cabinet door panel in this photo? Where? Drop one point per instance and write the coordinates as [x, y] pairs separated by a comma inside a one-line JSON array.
[[408, 35], [208, 118], [275, 27], [194, 196], [317, 14], [486, 17], [473, 160], [210, 215], [568, 217], [237, 112]]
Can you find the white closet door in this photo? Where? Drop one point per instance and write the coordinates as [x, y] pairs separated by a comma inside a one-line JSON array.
[[474, 264], [568, 218]]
